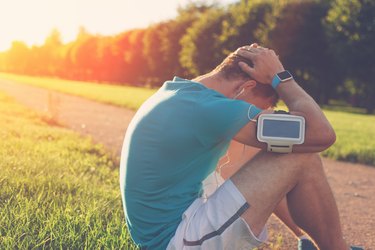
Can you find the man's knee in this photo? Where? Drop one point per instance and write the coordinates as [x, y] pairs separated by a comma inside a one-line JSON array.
[[301, 162], [305, 157], [293, 164], [307, 164]]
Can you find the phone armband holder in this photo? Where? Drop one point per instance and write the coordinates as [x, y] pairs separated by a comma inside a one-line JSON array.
[[280, 131]]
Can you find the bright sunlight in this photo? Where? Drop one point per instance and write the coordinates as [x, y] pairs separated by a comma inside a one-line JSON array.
[[32, 21]]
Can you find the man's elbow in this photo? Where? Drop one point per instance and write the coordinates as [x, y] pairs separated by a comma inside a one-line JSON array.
[[328, 138], [318, 143]]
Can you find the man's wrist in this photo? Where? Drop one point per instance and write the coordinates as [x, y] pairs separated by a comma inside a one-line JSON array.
[[281, 77], [275, 82]]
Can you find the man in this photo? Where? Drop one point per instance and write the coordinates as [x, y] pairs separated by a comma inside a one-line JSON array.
[[176, 139]]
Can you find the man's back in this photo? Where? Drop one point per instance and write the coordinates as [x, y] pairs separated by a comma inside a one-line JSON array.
[[170, 147]]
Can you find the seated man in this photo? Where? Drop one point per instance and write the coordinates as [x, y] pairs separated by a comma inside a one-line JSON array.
[[177, 137]]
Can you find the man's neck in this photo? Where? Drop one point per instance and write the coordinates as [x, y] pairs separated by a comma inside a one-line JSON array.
[[214, 81]]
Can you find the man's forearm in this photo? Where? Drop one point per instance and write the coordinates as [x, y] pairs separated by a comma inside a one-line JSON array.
[[319, 132]]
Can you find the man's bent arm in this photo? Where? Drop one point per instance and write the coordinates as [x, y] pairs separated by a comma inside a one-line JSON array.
[[319, 133]]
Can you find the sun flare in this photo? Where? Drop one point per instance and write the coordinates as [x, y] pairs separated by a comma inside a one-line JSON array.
[[32, 21]]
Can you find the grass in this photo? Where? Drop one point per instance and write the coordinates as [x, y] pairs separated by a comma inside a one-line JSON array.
[[355, 137], [60, 191], [123, 96], [57, 190], [355, 131]]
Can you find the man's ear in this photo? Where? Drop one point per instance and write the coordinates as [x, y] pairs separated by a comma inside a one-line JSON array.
[[248, 85]]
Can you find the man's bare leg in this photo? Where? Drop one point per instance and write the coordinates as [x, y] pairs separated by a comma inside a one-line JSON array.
[[269, 177], [237, 155], [282, 212]]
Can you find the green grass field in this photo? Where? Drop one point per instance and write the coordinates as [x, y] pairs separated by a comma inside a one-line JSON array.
[[57, 190], [355, 135], [355, 132]]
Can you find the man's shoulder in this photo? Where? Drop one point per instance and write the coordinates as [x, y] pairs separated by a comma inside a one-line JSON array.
[[181, 84]]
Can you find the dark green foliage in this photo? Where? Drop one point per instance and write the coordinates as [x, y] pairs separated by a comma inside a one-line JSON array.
[[351, 27], [249, 22], [299, 38], [201, 46]]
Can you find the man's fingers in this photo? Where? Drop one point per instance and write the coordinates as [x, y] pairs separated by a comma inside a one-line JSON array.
[[246, 68], [248, 47], [265, 62], [254, 47], [249, 54]]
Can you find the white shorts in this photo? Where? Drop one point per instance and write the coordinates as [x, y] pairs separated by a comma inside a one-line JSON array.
[[214, 223]]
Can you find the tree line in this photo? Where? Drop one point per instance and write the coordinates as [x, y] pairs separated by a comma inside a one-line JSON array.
[[328, 45]]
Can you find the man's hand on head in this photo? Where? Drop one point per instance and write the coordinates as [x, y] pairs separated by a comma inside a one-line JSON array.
[[319, 134], [266, 63]]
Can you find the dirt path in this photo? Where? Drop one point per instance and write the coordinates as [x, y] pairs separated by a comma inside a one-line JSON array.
[[353, 184], [106, 124]]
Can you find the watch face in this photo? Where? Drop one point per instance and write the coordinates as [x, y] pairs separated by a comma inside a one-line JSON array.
[[285, 75]]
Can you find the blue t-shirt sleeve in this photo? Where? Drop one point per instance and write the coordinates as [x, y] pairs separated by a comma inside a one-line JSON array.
[[220, 118]]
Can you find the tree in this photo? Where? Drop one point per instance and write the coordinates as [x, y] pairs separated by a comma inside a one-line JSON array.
[[152, 51], [162, 44], [247, 23], [50, 55], [17, 58], [171, 43], [351, 27], [3, 65], [201, 48], [83, 56], [133, 60], [298, 36]]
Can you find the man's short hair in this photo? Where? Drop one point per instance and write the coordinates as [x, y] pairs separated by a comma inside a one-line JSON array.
[[230, 70]]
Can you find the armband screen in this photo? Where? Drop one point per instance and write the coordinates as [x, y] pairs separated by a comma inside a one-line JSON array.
[[277, 128]]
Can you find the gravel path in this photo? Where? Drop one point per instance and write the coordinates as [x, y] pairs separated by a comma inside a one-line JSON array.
[[353, 184]]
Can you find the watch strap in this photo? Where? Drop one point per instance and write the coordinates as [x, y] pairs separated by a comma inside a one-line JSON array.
[[281, 77], [275, 81]]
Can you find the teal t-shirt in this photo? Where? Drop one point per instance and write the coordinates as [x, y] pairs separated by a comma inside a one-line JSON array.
[[172, 144]]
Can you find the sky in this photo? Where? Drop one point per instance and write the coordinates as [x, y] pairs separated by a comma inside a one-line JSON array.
[[31, 21]]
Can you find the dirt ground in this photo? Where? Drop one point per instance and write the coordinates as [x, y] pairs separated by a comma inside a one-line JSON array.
[[353, 184]]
